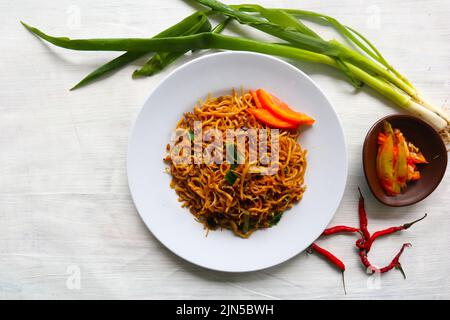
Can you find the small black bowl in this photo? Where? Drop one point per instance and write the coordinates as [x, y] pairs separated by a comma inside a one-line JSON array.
[[423, 136]]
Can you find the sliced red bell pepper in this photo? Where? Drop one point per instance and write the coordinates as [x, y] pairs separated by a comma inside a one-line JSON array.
[[385, 163], [415, 176], [280, 103], [401, 163], [269, 119], [381, 138], [417, 157], [255, 98], [412, 171], [396, 160], [281, 110]]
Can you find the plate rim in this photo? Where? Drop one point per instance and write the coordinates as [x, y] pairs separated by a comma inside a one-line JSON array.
[[209, 56]]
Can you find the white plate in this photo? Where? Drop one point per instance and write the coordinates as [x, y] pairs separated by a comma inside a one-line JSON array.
[[157, 203]]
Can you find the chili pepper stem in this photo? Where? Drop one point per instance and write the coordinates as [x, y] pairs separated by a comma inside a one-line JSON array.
[[399, 267], [408, 225], [368, 244], [343, 283], [395, 263], [331, 258], [360, 193]]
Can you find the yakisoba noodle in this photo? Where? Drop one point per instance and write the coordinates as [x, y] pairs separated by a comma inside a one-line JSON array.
[[254, 200]]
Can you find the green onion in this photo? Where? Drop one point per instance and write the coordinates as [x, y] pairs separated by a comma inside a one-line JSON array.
[[275, 219], [305, 41], [109, 67], [231, 149], [284, 18], [221, 26], [161, 60], [365, 66], [278, 16], [348, 33], [211, 222], [231, 177], [351, 35], [206, 40], [249, 222], [301, 40], [191, 135], [218, 41], [197, 20], [379, 67], [246, 225]]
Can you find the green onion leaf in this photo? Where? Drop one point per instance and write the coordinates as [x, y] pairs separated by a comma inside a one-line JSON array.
[[246, 223], [331, 48], [279, 17], [221, 26], [368, 67], [211, 222], [249, 223], [232, 151], [161, 60], [275, 219], [126, 58], [231, 177], [191, 135], [301, 40]]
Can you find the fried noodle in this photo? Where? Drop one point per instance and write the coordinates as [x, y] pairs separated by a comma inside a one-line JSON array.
[[253, 201]]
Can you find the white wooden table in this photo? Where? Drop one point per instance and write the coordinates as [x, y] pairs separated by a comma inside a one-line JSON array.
[[68, 228]]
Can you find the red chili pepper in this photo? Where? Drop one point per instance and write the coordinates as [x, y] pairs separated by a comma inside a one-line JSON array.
[[365, 242], [331, 258], [361, 244], [363, 222], [390, 230], [327, 254], [338, 229], [365, 260], [395, 263]]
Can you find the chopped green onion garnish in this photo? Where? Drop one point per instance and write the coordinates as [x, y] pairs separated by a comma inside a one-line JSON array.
[[191, 135], [275, 219], [231, 177]]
